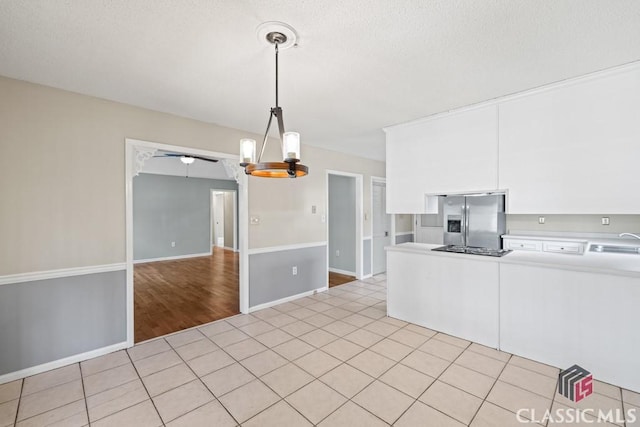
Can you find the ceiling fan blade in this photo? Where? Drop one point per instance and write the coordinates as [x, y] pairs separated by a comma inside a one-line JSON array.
[[205, 159], [187, 155]]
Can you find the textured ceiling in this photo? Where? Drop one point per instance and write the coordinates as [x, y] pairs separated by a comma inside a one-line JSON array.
[[360, 64]]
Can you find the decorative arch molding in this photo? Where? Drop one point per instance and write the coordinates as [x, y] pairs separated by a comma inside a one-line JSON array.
[[233, 169], [141, 155]]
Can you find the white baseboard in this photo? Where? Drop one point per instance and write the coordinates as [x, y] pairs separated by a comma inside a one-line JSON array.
[[367, 276], [56, 274], [171, 258], [404, 233], [345, 272], [287, 299], [27, 372]]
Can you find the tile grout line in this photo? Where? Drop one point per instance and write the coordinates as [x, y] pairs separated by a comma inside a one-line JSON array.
[[315, 378], [491, 389], [200, 378], [84, 394], [437, 379], [145, 386], [15, 419]]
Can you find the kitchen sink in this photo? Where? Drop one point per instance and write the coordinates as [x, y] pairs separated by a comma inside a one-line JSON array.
[[617, 249], [472, 250]]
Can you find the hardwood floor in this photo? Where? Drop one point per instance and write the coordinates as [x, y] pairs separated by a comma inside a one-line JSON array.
[[336, 279], [173, 295]]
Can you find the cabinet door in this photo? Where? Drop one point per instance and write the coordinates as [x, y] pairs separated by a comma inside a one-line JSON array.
[[574, 149], [561, 318], [457, 296], [453, 153]]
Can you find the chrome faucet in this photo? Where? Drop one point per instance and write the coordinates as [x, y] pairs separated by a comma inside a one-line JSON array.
[[629, 234]]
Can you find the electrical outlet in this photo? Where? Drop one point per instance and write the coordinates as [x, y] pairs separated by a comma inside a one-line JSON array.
[[540, 220], [337, 252], [173, 244], [254, 220], [294, 270], [323, 218], [605, 220]]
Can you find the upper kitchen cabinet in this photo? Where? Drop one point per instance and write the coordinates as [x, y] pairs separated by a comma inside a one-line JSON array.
[[574, 148], [448, 153]]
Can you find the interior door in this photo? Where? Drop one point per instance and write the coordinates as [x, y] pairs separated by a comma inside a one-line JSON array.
[[218, 215], [381, 227]]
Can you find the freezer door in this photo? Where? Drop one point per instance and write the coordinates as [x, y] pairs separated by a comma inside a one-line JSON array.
[[485, 221], [453, 217]]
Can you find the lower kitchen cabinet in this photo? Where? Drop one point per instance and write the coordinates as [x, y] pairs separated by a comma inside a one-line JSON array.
[[457, 296], [562, 317]]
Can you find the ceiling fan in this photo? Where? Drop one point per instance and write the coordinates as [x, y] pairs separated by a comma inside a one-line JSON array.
[[186, 158]]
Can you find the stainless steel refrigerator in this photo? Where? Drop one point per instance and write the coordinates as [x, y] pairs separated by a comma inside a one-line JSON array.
[[474, 220]]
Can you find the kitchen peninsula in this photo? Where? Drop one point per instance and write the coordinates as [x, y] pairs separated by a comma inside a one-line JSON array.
[[558, 309]]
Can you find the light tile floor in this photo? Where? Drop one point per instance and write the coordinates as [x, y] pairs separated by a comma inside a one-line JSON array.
[[332, 359]]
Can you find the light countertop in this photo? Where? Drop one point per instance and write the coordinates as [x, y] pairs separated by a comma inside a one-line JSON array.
[[590, 262]]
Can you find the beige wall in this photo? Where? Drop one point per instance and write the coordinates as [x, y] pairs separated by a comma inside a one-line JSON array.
[[62, 180], [404, 223], [284, 206], [575, 223]]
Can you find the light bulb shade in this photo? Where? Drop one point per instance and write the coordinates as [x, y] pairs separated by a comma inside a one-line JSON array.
[[247, 151], [187, 160], [291, 146]]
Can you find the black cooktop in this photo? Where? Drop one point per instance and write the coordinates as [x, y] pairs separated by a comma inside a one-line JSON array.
[[472, 250]]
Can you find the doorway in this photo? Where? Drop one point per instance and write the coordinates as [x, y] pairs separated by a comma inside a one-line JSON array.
[[382, 228], [224, 223], [192, 270], [344, 227]]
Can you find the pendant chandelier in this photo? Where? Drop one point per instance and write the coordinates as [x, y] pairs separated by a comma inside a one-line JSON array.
[[289, 167]]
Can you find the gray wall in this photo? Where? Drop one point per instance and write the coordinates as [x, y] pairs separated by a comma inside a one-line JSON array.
[[366, 253], [228, 220], [271, 278], [342, 222], [57, 318], [172, 209], [404, 238]]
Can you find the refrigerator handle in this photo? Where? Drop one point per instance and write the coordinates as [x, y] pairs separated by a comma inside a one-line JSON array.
[[466, 225], [463, 225]]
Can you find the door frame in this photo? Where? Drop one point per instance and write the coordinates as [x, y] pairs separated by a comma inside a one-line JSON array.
[[235, 217], [359, 205], [392, 232], [135, 151]]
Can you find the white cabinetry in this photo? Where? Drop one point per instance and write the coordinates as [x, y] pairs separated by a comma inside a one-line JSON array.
[[458, 296], [542, 244], [563, 317], [575, 148], [446, 154]]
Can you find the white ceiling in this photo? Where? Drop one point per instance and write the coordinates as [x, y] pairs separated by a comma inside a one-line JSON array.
[[360, 64]]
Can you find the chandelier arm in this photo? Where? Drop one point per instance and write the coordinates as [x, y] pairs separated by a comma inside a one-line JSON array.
[[279, 116], [266, 135]]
